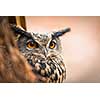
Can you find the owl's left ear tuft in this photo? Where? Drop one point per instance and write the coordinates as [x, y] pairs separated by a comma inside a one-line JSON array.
[[61, 32]]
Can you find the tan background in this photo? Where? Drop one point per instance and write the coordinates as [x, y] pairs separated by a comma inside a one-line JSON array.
[[81, 46]]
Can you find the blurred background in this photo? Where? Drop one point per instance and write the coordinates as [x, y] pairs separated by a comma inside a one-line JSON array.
[[80, 47]]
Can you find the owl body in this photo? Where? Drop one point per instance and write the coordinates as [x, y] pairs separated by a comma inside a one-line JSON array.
[[43, 52]]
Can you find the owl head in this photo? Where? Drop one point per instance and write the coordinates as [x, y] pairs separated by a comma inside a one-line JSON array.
[[43, 53]]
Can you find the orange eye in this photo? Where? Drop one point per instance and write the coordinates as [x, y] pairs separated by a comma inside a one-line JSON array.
[[32, 45], [52, 45]]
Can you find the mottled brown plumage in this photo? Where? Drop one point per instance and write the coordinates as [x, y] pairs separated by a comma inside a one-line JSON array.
[[32, 57], [43, 53]]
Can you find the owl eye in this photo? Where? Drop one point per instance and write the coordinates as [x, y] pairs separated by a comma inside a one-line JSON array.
[[52, 45], [32, 44]]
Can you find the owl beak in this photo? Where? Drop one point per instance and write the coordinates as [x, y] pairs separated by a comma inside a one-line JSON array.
[[45, 52]]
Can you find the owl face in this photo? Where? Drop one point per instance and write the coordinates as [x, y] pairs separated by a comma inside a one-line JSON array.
[[42, 52]]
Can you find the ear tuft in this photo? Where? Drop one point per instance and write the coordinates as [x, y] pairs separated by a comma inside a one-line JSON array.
[[19, 31], [61, 32]]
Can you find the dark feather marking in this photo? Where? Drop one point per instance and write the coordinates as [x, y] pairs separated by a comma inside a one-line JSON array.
[[62, 32], [18, 30]]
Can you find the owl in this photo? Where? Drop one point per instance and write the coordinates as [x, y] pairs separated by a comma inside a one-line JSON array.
[[43, 53]]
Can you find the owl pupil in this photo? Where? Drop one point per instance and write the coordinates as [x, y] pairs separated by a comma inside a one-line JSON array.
[[52, 44], [31, 44]]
